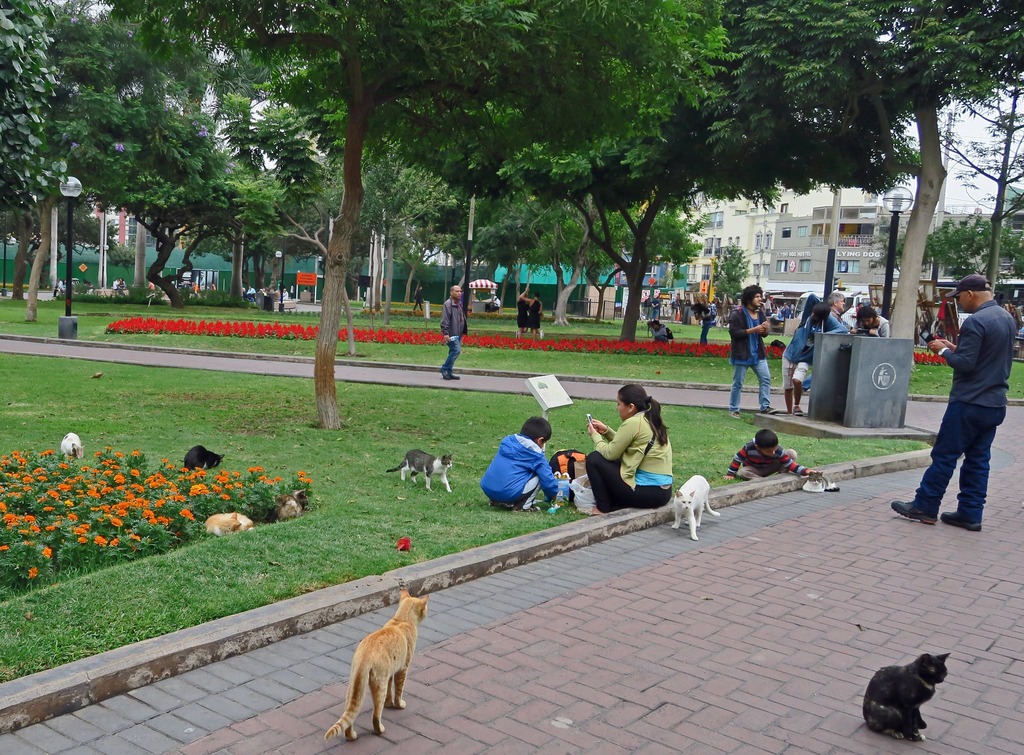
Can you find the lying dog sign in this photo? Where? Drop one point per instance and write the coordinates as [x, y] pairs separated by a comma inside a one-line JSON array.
[[549, 392]]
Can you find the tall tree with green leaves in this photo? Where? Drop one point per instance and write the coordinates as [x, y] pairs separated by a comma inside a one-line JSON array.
[[999, 160], [962, 247], [874, 67], [732, 268], [407, 65]]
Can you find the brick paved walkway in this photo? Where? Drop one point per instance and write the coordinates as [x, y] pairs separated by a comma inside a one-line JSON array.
[[760, 638]]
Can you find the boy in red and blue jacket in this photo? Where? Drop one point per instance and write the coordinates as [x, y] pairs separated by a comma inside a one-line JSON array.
[[762, 457]]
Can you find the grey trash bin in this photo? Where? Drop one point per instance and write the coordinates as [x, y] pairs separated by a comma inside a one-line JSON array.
[[861, 381]]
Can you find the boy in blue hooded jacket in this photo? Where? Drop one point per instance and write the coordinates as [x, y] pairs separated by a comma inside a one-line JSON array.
[[520, 471]]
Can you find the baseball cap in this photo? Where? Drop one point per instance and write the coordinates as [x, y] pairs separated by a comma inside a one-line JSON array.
[[972, 282]]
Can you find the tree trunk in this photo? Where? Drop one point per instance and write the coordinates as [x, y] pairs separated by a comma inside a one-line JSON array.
[[165, 245], [1008, 126], [389, 280], [42, 257], [237, 253], [140, 254], [929, 186], [25, 222], [339, 251], [408, 282]]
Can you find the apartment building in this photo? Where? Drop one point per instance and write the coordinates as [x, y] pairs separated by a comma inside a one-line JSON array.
[[787, 243]]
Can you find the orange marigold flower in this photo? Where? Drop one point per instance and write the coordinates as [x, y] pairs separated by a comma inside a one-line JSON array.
[[47, 553], [187, 514], [5, 547], [136, 473], [255, 469], [116, 522], [53, 494], [83, 539], [114, 543], [33, 573], [100, 541], [225, 497], [136, 452], [133, 536], [48, 509], [119, 478], [72, 517]]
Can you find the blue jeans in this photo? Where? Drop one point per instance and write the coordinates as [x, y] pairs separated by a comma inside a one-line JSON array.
[[967, 430], [764, 379], [705, 326], [454, 349]]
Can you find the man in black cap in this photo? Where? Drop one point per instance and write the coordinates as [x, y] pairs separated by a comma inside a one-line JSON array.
[[981, 363]]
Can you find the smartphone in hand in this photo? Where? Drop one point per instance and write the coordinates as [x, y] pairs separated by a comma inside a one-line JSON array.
[[590, 419]]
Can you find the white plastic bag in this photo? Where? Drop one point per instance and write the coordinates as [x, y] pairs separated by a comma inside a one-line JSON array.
[[583, 496]]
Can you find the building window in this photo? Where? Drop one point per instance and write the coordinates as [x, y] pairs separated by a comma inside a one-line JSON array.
[[781, 266], [801, 231], [787, 232], [805, 266], [784, 208], [854, 266]]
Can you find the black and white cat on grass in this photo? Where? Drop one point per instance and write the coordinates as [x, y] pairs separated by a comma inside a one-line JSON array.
[[895, 694], [420, 462]]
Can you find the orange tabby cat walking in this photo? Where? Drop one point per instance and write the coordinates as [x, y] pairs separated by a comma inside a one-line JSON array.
[[381, 662]]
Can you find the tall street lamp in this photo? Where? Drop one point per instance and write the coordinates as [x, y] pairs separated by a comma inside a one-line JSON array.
[[67, 326], [897, 201], [280, 302]]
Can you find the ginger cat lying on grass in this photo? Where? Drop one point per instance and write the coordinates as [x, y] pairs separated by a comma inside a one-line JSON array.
[[381, 662]]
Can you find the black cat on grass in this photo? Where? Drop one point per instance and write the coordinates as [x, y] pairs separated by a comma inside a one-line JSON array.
[[895, 694], [199, 457]]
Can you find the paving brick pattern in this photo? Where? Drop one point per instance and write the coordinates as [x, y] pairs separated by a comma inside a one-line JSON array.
[[759, 638]]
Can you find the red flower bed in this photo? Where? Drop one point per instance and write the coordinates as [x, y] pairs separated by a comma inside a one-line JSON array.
[[245, 329]]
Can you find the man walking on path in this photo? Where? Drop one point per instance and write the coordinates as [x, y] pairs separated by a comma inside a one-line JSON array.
[[453, 328], [747, 328], [981, 363]]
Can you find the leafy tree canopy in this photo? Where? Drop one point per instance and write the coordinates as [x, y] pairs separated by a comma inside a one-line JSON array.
[[25, 86]]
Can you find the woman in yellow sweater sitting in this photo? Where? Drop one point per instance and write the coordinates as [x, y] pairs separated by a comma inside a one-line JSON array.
[[631, 467]]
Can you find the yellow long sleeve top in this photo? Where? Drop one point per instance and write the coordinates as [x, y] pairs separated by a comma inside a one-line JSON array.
[[628, 444]]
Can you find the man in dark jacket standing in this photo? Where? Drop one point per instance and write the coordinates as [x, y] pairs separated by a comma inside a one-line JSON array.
[[981, 363], [747, 327], [453, 328]]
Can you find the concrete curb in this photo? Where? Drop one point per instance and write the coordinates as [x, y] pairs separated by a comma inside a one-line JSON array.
[[73, 686]]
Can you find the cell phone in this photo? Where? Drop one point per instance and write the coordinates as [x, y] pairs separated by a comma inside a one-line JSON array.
[[930, 337], [590, 420]]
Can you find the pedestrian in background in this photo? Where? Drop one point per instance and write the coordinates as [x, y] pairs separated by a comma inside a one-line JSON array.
[[453, 328], [535, 313], [522, 313], [981, 362], [747, 327]]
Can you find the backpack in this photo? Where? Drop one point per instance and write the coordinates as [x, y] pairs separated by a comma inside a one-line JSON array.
[[668, 333], [566, 461]]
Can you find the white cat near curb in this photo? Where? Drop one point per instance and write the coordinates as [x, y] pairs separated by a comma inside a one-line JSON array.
[[692, 499]]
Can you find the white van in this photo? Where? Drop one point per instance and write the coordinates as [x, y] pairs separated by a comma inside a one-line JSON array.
[[854, 298]]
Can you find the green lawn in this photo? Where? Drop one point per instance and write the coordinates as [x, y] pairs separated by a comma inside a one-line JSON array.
[[358, 511]]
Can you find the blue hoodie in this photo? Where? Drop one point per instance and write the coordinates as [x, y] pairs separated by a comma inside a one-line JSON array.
[[518, 460], [801, 347]]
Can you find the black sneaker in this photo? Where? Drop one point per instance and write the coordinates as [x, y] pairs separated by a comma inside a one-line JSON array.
[[954, 518], [453, 376], [903, 508]]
